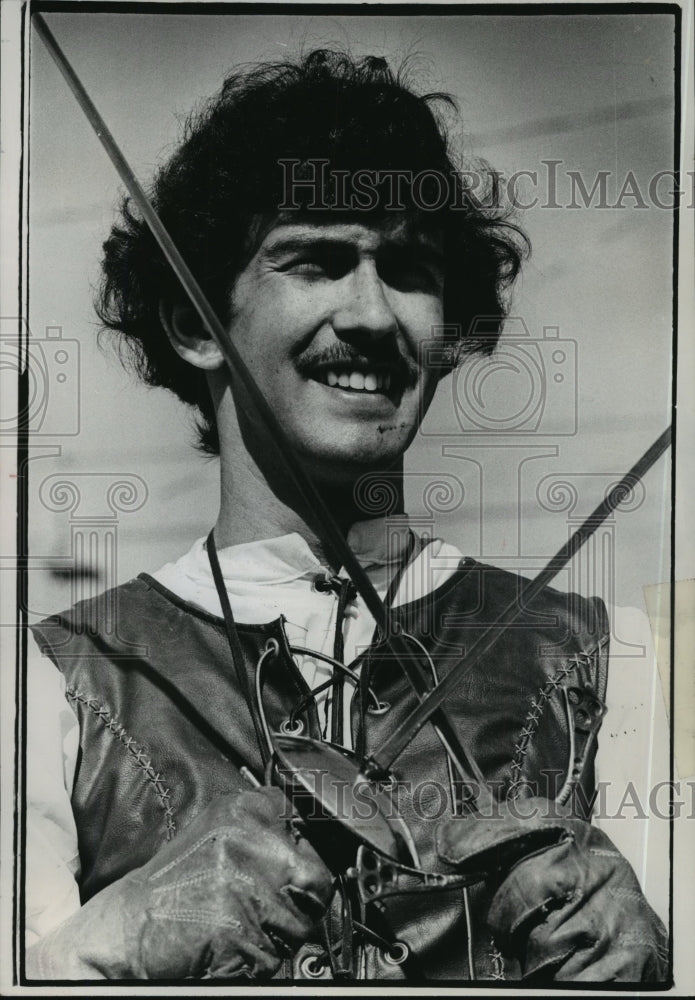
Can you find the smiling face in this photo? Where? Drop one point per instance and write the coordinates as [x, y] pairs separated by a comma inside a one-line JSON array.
[[331, 319]]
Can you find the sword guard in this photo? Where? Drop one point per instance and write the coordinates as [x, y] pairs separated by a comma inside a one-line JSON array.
[[379, 877]]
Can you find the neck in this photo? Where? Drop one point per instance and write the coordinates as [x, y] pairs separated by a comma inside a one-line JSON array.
[[253, 508]]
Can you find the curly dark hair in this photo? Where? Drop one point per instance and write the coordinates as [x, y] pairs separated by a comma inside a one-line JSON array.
[[225, 176]]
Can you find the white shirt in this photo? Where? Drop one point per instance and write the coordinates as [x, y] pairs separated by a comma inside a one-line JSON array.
[[274, 577]]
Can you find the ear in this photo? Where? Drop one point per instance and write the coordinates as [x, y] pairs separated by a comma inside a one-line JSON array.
[[188, 337]]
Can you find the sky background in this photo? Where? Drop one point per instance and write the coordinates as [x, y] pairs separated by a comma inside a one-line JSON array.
[[593, 308]]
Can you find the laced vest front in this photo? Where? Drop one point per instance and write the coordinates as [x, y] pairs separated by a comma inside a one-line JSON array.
[[164, 728]]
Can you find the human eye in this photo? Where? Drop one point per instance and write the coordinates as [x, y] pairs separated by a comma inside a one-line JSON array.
[[412, 272], [310, 266], [316, 263]]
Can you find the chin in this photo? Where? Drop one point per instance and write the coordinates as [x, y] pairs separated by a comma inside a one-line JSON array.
[[336, 464]]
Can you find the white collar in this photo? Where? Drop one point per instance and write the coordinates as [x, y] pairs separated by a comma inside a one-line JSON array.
[[270, 561]]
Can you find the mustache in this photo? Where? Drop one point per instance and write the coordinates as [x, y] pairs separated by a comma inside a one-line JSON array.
[[402, 367]]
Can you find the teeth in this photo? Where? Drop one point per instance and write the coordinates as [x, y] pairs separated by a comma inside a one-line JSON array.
[[358, 381]]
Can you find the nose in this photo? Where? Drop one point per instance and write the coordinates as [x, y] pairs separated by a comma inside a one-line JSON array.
[[364, 310]]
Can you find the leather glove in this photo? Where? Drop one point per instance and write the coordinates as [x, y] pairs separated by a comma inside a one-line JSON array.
[[565, 902], [236, 891]]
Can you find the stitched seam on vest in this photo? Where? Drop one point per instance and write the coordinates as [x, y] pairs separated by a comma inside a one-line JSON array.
[[141, 759], [530, 727], [603, 650]]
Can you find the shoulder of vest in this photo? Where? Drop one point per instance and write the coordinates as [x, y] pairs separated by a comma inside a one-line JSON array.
[[90, 613], [505, 583], [491, 589], [110, 617]]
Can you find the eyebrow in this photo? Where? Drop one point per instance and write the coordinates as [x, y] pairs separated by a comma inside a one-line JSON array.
[[299, 242], [295, 244]]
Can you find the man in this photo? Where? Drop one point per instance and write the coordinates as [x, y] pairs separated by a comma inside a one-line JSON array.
[[349, 295]]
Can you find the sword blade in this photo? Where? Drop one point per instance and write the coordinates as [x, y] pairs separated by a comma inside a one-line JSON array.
[[486, 642]]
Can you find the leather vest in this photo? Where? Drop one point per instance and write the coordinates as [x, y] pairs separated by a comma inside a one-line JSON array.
[[164, 728]]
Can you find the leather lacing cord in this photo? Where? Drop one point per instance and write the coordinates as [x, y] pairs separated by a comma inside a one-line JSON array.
[[235, 646], [394, 952], [345, 964], [345, 591], [294, 723], [397, 952]]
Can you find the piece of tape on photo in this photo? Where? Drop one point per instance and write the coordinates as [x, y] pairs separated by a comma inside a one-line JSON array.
[[658, 601]]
